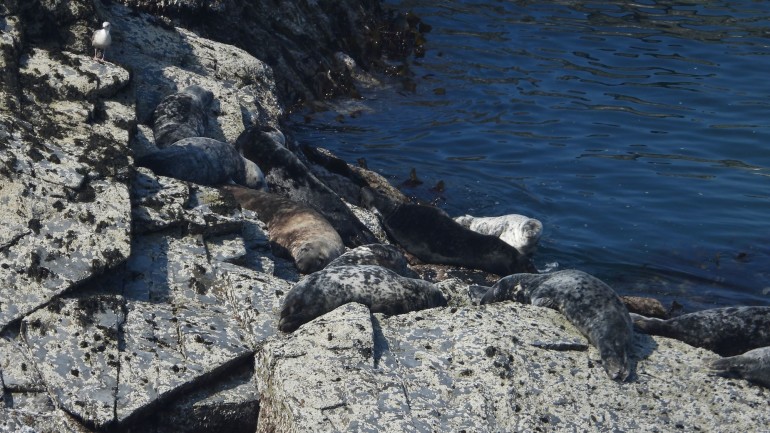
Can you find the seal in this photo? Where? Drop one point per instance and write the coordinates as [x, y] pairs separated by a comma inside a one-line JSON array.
[[433, 237], [181, 115], [753, 366], [518, 231], [727, 331], [587, 302], [289, 177], [382, 290], [295, 231], [204, 161], [387, 256]]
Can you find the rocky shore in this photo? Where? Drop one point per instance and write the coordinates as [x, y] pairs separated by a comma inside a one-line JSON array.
[[135, 302]]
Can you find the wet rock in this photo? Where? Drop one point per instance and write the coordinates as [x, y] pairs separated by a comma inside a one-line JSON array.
[[503, 367]]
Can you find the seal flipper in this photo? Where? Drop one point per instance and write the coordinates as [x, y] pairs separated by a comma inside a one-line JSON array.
[[753, 365], [545, 302]]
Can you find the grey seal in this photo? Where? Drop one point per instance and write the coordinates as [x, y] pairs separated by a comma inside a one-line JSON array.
[[204, 161], [383, 255], [431, 235], [382, 290], [296, 231], [518, 231], [753, 366], [181, 115], [587, 302], [727, 331], [289, 177]]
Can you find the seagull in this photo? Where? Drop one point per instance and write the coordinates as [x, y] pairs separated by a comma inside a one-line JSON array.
[[101, 40]]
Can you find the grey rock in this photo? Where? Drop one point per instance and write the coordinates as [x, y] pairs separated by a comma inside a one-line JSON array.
[[60, 227], [75, 346], [501, 367], [71, 76], [17, 370], [231, 403], [25, 421]]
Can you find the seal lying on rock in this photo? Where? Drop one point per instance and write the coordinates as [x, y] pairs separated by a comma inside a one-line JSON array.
[[204, 161], [296, 231], [726, 331], [518, 231], [431, 235], [383, 255], [289, 177], [753, 365], [382, 290], [181, 115], [587, 302]]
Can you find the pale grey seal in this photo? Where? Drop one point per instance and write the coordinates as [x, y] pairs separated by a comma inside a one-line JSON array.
[[753, 366], [431, 235], [382, 290], [101, 39], [518, 231], [383, 255], [296, 231], [181, 115], [727, 331], [289, 177], [204, 161], [587, 302]]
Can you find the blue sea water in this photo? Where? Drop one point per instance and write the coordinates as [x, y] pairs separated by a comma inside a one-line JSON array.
[[638, 132]]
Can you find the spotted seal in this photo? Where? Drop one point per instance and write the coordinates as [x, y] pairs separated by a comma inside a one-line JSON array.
[[289, 177], [753, 366], [181, 115], [431, 235], [382, 290], [518, 231], [383, 255], [727, 331], [587, 302], [204, 161], [296, 231]]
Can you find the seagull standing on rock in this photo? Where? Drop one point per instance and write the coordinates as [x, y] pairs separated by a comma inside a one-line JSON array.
[[101, 40]]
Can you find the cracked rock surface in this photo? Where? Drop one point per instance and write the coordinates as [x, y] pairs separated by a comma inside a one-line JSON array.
[[501, 367], [135, 302]]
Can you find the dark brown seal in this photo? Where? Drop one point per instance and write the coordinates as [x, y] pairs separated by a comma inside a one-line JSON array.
[[433, 237], [296, 231]]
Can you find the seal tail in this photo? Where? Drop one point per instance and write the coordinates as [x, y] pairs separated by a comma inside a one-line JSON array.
[[649, 325], [727, 367]]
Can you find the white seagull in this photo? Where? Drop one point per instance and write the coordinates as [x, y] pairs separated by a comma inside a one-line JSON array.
[[101, 40]]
